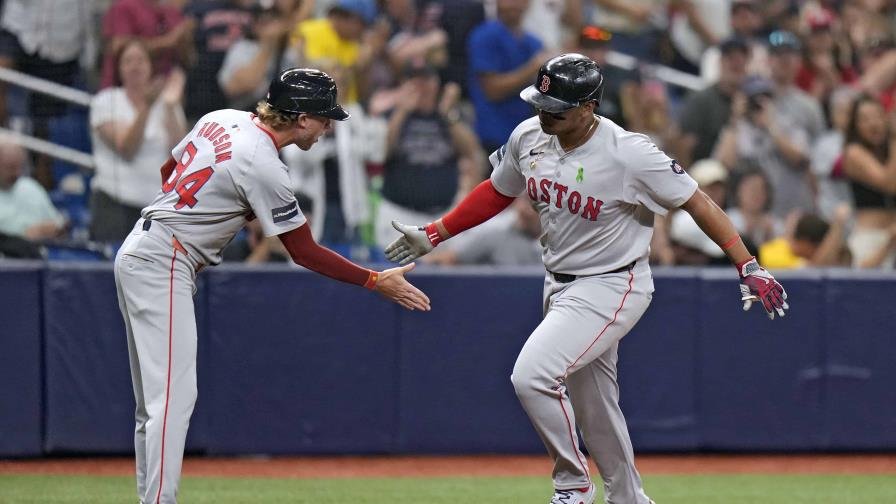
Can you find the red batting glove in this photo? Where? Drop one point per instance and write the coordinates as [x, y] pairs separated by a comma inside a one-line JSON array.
[[757, 284]]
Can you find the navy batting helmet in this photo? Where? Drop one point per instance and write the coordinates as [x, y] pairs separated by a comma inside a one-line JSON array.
[[305, 91], [564, 82]]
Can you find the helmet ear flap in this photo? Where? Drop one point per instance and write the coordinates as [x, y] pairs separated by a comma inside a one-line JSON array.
[[598, 92]]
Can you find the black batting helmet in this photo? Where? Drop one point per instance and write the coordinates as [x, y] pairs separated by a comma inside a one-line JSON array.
[[305, 91], [564, 82]]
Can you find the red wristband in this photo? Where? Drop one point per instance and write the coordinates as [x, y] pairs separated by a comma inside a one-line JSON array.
[[371, 280], [730, 243], [432, 232]]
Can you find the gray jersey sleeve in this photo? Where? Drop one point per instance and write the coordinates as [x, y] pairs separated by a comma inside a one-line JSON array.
[[268, 193], [506, 175], [652, 178]]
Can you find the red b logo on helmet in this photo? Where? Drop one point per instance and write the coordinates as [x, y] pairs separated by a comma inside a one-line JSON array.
[[545, 84]]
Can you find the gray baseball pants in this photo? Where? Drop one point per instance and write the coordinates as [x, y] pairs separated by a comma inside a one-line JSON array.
[[565, 377], [156, 282]]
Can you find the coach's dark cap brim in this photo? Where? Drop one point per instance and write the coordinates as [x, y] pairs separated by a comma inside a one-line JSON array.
[[338, 113], [541, 101]]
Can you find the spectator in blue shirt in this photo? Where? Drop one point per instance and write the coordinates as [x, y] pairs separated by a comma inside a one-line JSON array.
[[503, 60]]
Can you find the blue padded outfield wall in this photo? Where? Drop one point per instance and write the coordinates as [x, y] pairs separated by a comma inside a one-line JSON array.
[[21, 370], [294, 363]]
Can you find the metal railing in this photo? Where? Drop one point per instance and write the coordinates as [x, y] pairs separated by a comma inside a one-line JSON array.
[[663, 73], [46, 87], [60, 92], [51, 149]]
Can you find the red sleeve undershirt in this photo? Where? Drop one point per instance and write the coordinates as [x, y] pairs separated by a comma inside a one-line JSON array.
[[308, 254], [167, 169], [483, 203]]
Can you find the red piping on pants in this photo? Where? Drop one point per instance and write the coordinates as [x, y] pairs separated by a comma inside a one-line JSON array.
[[572, 437], [177, 246], [631, 277]]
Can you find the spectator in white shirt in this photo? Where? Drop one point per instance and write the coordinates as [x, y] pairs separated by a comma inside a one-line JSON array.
[[134, 125]]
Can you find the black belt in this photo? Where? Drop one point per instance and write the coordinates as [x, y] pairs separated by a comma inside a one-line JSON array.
[[147, 224], [566, 278]]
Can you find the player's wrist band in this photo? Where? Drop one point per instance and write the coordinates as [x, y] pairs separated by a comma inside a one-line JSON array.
[[432, 232], [371, 280], [730, 243]]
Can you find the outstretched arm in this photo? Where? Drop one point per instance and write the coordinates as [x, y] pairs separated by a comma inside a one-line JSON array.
[[756, 284], [483, 203], [713, 221], [390, 283]]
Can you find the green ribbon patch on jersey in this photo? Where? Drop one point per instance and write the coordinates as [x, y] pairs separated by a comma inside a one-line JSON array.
[[581, 175]]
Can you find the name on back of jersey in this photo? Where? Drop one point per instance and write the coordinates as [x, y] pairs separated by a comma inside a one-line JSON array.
[[214, 132]]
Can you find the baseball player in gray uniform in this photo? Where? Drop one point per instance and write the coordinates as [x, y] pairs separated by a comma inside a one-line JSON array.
[[223, 173], [596, 188]]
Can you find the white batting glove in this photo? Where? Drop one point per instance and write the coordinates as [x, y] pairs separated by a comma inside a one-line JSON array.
[[414, 242]]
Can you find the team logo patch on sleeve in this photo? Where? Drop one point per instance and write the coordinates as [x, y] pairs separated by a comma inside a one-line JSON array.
[[285, 213], [677, 167]]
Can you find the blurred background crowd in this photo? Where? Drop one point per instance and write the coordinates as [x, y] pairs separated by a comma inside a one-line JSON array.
[[782, 110]]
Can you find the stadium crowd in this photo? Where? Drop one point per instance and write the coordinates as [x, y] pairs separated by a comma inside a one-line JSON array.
[[793, 131]]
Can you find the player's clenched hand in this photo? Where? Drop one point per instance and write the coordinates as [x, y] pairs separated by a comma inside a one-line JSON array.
[[412, 244], [392, 284], [757, 284]]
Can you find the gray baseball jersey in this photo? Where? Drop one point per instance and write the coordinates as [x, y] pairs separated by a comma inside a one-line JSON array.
[[596, 202], [228, 170]]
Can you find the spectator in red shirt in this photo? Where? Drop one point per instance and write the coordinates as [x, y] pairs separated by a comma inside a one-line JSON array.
[[162, 27]]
